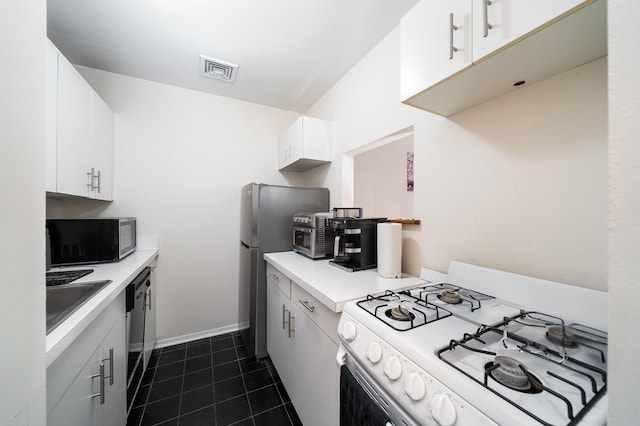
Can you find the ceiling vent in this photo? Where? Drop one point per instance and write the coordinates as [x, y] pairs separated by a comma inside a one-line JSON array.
[[220, 70]]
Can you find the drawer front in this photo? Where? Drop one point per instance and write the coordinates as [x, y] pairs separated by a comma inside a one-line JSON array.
[[324, 317], [279, 279]]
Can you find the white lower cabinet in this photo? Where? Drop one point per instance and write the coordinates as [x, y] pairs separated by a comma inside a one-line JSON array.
[[316, 392], [303, 353], [279, 343], [86, 385]]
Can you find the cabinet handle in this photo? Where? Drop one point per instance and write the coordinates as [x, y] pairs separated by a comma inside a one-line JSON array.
[[110, 359], [283, 320], [487, 25], [305, 303], [291, 318], [275, 277], [452, 28], [148, 303], [101, 375], [90, 179], [92, 176]]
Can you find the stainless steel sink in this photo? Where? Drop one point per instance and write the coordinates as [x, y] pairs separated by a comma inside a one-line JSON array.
[[64, 300]]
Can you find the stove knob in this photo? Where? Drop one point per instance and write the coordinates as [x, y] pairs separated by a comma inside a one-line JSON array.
[[374, 354], [414, 387], [349, 331], [442, 410], [393, 368]]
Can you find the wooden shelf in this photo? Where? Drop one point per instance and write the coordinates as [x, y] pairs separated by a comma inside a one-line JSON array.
[[405, 221]]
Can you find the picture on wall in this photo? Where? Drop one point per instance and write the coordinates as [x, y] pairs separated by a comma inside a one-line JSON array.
[[409, 171]]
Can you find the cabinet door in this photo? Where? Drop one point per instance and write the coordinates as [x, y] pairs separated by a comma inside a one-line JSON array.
[[431, 46], [317, 377], [74, 106], [78, 405], [52, 116], [101, 149], [113, 352], [278, 340], [150, 318], [290, 146], [497, 23]]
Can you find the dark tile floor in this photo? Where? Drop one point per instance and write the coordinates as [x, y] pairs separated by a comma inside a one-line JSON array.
[[211, 382]]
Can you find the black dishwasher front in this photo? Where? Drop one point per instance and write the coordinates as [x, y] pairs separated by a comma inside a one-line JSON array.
[[135, 302]]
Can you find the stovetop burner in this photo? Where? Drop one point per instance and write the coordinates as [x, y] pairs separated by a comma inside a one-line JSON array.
[[450, 297], [510, 373], [562, 336], [399, 313]]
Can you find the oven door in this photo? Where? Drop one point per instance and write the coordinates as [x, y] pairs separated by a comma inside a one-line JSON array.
[[364, 403], [304, 240], [356, 405]]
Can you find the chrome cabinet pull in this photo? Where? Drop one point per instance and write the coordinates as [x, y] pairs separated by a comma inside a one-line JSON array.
[[110, 359], [90, 179], [305, 303], [452, 28], [487, 25], [92, 176], [275, 277], [291, 318], [283, 320], [101, 375], [148, 297]]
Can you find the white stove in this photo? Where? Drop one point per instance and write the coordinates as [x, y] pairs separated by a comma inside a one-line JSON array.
[[450, 352]]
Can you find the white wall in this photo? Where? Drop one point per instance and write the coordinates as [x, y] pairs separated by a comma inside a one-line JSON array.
[[624, 216], [22, 254], [518, 183], [181, 158]]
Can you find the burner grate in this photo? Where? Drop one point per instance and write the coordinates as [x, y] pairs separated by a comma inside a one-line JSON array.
[[573, 377], [401, 311], [66, 277]]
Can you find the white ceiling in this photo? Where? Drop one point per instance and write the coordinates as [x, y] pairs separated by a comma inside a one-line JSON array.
[[289, 52]]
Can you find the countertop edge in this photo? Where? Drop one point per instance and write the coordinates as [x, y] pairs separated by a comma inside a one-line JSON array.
[[310, 275], [127, 269]]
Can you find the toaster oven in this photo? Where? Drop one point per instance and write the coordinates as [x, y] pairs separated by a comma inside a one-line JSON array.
[[313, 235]]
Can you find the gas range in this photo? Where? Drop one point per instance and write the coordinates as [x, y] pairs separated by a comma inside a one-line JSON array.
[[448, 354]]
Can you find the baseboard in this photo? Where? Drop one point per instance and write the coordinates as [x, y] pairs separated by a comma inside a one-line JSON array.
[[200, 335]]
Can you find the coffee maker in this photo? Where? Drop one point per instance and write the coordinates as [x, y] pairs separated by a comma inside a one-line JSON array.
[[355, 243]]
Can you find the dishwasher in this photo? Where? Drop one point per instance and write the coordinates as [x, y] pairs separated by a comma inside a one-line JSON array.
[[136, 311]]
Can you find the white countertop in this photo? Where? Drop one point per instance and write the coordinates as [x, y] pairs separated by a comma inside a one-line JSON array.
[[333, 286], [120, 273]]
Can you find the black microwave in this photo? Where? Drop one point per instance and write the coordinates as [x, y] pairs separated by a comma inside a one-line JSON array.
[[92, 240]]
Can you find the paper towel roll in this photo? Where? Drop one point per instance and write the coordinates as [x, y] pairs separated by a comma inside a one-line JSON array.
[[390, 250]]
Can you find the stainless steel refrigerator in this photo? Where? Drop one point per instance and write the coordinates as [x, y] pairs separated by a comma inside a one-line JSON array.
[[266, 225]]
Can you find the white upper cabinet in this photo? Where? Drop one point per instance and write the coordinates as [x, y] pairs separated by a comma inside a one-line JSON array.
[[79, 133], [305, 145], [505, 44], [436, 43], [74, 130]]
